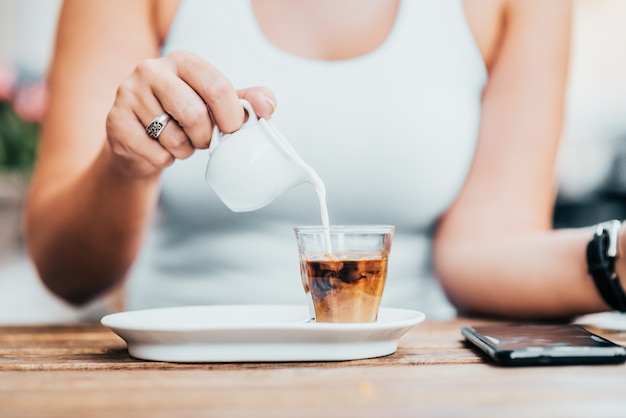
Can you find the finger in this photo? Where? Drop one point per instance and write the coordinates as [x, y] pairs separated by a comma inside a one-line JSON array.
[[214, 89], [151, 152], [128, 138], [168, 92], [262, 100], [172, 137]]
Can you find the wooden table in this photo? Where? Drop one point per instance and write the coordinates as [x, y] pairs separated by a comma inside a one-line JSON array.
[[85, 371]]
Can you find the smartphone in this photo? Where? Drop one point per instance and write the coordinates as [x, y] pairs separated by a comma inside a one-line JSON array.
[[543, 344]]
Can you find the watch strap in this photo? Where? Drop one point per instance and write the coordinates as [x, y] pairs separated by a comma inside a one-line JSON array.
[[601, 267]]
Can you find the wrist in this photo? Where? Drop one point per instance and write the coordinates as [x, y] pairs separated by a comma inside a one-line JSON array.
[[119, 188], [126, 169]]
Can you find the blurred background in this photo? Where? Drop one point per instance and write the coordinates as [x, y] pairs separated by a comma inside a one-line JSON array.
[[591, 171], [592, 165], [26, 41]]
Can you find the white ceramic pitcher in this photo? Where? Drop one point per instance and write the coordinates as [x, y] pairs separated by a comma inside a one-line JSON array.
[[251, 167]]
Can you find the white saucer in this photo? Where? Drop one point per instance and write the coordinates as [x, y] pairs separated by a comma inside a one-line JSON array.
[[245, 333]]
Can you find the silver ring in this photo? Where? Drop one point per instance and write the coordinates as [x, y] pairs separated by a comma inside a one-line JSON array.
[[155, 127]]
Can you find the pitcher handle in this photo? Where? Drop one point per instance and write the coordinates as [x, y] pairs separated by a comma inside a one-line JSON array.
[[217, 135]]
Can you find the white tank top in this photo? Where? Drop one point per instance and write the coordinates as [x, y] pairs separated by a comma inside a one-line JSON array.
[[391, 133]]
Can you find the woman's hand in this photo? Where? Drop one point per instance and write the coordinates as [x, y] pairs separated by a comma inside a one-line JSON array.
[[193, 93]]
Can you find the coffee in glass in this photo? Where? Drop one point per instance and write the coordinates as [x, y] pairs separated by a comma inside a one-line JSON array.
[[344, 283]]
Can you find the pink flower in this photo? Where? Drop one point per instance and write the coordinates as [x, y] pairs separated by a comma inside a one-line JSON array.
[[8, 78], [31, 101]]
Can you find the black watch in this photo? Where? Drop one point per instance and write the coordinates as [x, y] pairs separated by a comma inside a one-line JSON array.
[[602, 252]]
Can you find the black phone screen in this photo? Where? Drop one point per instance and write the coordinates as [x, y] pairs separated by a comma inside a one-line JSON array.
[[543, 344]]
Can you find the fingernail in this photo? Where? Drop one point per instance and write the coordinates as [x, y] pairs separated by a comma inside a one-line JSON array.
[[271, 104]]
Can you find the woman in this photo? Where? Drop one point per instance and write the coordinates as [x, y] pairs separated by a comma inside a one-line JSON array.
[[442, 118]]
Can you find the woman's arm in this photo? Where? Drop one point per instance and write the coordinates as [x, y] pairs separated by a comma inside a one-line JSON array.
[[96, 181], [495, 252], [85, 218]]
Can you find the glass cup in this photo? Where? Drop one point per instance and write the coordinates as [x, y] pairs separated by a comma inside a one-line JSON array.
[[343, 270]]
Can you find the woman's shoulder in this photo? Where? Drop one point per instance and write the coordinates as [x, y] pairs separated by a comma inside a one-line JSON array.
[[490, 20], [485, 19]]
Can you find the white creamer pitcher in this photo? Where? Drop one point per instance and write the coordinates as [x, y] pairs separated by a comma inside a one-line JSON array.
[[251, 167]]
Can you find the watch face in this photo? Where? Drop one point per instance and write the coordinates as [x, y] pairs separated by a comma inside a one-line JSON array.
[[611, 228]]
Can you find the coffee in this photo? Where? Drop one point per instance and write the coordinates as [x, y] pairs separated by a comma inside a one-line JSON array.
[[345, 289]]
